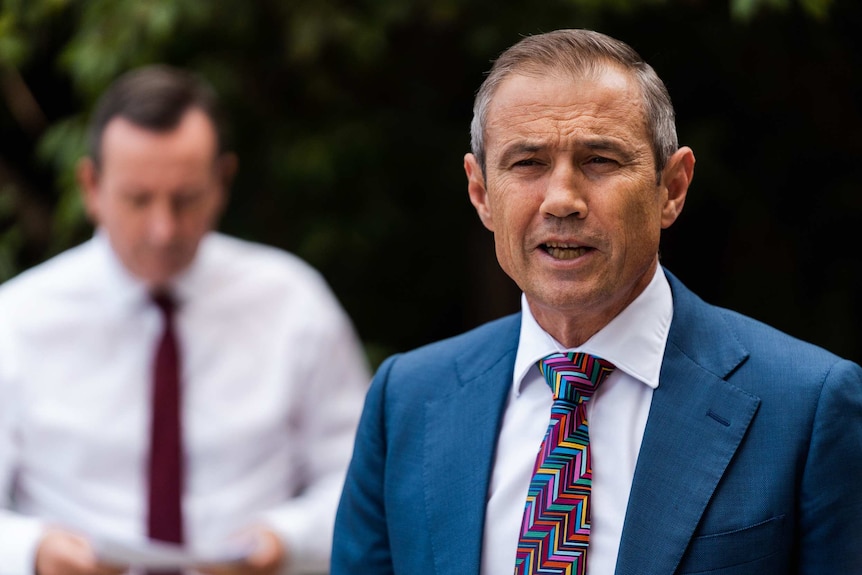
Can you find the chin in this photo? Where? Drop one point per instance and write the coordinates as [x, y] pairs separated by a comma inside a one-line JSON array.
[[156, 280], [574, 298], [159, 276]]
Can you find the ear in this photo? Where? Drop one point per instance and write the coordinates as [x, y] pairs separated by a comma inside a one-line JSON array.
[[227, 165], [675, 178], [477, 190], [88, 180]]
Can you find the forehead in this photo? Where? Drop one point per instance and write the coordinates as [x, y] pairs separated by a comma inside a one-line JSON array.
[[193, 138], [606, 103]]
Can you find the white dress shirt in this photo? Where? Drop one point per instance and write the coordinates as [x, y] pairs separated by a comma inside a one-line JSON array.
[[634, 342], [273, 380]]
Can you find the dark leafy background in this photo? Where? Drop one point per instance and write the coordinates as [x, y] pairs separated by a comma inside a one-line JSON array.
[[351, 120]]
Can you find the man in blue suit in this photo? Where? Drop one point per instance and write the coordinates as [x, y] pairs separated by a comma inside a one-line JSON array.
[[716, 445]]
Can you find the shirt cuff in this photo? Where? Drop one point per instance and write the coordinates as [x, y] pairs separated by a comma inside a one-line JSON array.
[[21, 537], [308, 550]]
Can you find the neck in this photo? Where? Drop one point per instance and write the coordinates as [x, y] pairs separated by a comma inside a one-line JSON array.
[[571, 330], [574, 325]]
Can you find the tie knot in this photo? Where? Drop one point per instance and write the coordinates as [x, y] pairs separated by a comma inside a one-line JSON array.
[[165, 302], [574, 377]]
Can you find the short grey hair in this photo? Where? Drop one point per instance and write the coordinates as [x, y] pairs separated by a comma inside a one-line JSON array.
[[579, 52]]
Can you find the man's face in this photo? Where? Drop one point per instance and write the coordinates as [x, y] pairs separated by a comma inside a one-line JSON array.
[[570, 193], [156, 194]]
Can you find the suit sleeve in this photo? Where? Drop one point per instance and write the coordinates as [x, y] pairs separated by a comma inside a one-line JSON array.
[[831, 503], [361, 541]]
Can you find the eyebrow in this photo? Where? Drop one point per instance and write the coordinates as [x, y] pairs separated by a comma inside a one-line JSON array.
[[592, 143], [609, 145], [518, 149]]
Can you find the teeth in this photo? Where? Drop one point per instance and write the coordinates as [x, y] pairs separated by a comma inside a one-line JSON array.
[[561, 252]]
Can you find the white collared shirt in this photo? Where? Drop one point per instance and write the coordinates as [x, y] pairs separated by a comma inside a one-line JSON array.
[[273, 380], [634, 342]]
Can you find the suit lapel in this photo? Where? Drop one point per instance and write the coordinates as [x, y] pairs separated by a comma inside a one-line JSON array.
[[461, 430], [696, 422]]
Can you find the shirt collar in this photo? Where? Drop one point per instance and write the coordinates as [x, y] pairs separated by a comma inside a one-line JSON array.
[[193, 280], [121, 286], [127, 289], [634, 341]]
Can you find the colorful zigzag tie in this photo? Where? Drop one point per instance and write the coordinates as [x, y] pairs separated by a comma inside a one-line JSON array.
[[555, 532]]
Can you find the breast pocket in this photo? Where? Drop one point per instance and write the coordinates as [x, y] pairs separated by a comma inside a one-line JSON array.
[[753, 550]]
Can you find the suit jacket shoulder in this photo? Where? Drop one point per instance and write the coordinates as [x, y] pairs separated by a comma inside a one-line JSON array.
[[414, 499], [719, 338], [756, 435], [440, 367]]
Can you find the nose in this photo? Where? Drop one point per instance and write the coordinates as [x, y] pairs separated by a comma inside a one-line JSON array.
[[564, 195], [163, 224]]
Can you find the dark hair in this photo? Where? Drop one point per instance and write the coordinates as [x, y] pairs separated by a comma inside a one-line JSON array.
[[154, 97], [579, 53]]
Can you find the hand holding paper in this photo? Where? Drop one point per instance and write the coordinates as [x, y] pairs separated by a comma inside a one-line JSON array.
[[65, 553], [256, 552], [153, 555], [267, 556]]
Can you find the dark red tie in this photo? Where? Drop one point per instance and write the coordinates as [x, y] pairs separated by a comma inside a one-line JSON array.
[[165, 519]]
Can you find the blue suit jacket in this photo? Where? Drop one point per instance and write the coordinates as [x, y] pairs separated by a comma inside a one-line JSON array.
[[751, 461]]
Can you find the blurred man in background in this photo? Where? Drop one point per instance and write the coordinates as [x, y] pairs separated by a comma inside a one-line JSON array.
[[165, 382]]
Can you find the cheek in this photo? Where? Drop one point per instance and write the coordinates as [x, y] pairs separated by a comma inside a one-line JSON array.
[[512, 205], [642, 229], [205, 219], [510, 225], [120, 223], [507, 232]]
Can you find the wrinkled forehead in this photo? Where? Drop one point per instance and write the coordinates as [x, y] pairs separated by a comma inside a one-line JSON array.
[[576, 75], [608, 93]]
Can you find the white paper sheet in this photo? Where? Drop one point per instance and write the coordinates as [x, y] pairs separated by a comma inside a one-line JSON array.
[[162, 556]]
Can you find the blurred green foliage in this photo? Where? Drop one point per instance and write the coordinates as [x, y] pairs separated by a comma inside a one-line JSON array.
[[351, 118]]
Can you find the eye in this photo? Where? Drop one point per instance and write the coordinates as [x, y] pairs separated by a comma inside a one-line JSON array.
[[601, 160], [138, 201], [527, 163], [186, 200], [600, 165]]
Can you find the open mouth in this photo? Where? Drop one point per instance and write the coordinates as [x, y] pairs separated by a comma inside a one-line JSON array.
[[561, 251]]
